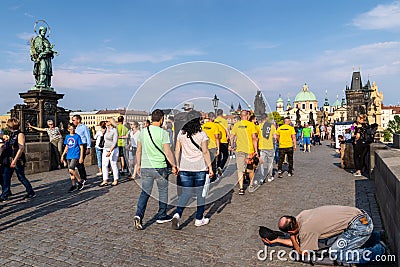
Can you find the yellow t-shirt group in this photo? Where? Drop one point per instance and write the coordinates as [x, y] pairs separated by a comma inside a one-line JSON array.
[[285, 133], [244, 130]]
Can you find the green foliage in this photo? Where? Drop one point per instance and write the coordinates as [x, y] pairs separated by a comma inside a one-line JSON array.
[[394, 125], [387, 136], [276, 117]]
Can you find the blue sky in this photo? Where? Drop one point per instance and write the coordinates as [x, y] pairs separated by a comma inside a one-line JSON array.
[[108, 49]]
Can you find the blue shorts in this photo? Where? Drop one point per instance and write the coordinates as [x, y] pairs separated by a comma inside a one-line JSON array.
[[306, 140]]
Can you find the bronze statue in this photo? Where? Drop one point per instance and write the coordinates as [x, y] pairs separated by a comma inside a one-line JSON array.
[[41, 54], [259, 104]]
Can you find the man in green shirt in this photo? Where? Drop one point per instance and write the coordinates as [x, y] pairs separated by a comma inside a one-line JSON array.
[[306, 135], [153, 149], [122, 136]]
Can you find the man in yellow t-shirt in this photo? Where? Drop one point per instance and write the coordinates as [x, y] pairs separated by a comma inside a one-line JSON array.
[[213, 132], [223, 145], [244, 135], [266, 139], [286, 137]]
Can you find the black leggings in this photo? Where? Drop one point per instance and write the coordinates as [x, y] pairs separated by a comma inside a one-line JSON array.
[[360, 155]]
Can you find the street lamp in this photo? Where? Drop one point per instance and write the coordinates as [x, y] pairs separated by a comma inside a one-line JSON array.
[[215, 103]]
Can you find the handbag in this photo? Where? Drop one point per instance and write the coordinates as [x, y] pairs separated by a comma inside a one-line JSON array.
[[102, 141]]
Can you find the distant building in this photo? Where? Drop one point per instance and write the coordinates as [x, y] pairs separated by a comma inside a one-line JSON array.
[[93, 118], [304, 109], [3, 120], [388, 113]]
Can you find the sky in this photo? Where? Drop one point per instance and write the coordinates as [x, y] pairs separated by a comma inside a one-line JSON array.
[[116, 54]]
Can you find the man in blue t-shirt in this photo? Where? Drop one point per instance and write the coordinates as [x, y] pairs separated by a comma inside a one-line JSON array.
[[74, 151]]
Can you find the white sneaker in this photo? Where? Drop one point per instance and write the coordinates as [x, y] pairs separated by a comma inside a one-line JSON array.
[[99, 174], [202, 222], [219, 171], [176, 221], [270, 179]]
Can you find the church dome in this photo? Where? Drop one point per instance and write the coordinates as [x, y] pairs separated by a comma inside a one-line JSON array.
[[280, 100], [305, 95]]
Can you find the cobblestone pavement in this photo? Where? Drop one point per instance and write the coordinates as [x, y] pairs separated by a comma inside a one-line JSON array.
[[95, 226]]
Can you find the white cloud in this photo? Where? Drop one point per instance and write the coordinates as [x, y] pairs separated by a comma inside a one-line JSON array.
[[112, 57], [380, 18]]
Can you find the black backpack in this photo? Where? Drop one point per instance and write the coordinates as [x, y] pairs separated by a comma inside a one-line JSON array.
[[369, 134], [266, 130]]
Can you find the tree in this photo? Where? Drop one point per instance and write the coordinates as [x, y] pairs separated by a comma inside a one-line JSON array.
[[276, 117], [394, 125]]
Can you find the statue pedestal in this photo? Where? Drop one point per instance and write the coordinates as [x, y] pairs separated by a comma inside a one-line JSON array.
[[40, 106]]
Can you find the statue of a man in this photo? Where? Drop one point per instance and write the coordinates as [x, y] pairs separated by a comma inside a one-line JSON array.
[[41, 54]]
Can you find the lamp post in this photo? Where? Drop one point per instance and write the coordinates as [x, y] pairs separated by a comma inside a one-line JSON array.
[[215, 103]]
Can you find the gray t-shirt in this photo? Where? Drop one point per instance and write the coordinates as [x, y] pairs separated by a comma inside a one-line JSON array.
[[323, 222], [110, 138]]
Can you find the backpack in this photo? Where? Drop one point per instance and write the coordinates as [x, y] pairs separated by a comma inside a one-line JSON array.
[[369, 134], [266, 130]]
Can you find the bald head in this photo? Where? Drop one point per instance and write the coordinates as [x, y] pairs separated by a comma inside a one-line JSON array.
[[287, 223], [244, 115]]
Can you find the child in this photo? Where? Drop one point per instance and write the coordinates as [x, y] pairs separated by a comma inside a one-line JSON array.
[[74, 150]]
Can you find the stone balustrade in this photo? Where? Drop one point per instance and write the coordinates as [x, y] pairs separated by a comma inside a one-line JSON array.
[[387, 181]]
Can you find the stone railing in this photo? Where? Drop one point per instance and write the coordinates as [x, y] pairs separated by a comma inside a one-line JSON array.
[[387, 181], [39, 155]]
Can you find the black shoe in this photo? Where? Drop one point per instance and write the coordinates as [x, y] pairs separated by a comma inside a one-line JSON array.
[[165, 219], [30, 195], [3, 199], [80, 185], [9, 194], [241, 191], [279, 174], [73, 188]]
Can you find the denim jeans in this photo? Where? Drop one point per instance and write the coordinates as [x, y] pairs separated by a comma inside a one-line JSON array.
[[190, 180], [20, 171], [148, 177], [347, 247], [99, 153], [267, 159]]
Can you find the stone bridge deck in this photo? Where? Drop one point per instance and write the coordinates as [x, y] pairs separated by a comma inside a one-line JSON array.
[[95, 226]]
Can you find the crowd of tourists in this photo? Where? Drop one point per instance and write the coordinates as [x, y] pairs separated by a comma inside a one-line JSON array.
[[192, 146]]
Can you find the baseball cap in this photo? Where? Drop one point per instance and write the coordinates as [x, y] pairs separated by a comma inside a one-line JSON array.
[[188, 105]]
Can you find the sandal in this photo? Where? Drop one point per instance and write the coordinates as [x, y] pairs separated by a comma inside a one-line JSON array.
[[114, 183], [103, 184], [241, 191]]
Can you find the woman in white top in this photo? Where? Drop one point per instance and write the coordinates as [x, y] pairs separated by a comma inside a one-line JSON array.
[[133, 136], [99, 137], [110, 153], [194, 163]]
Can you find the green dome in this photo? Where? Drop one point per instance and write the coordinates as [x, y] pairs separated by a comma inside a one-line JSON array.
[[337, 103], [280, 100], [305, 95]]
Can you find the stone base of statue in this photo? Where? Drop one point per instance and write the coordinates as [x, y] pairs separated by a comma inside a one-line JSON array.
[[39, 106]]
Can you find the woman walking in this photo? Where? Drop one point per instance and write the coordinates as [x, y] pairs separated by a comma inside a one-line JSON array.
[[14, 152], [99, 137], [193, 159], [110, 152], [133, 136]]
